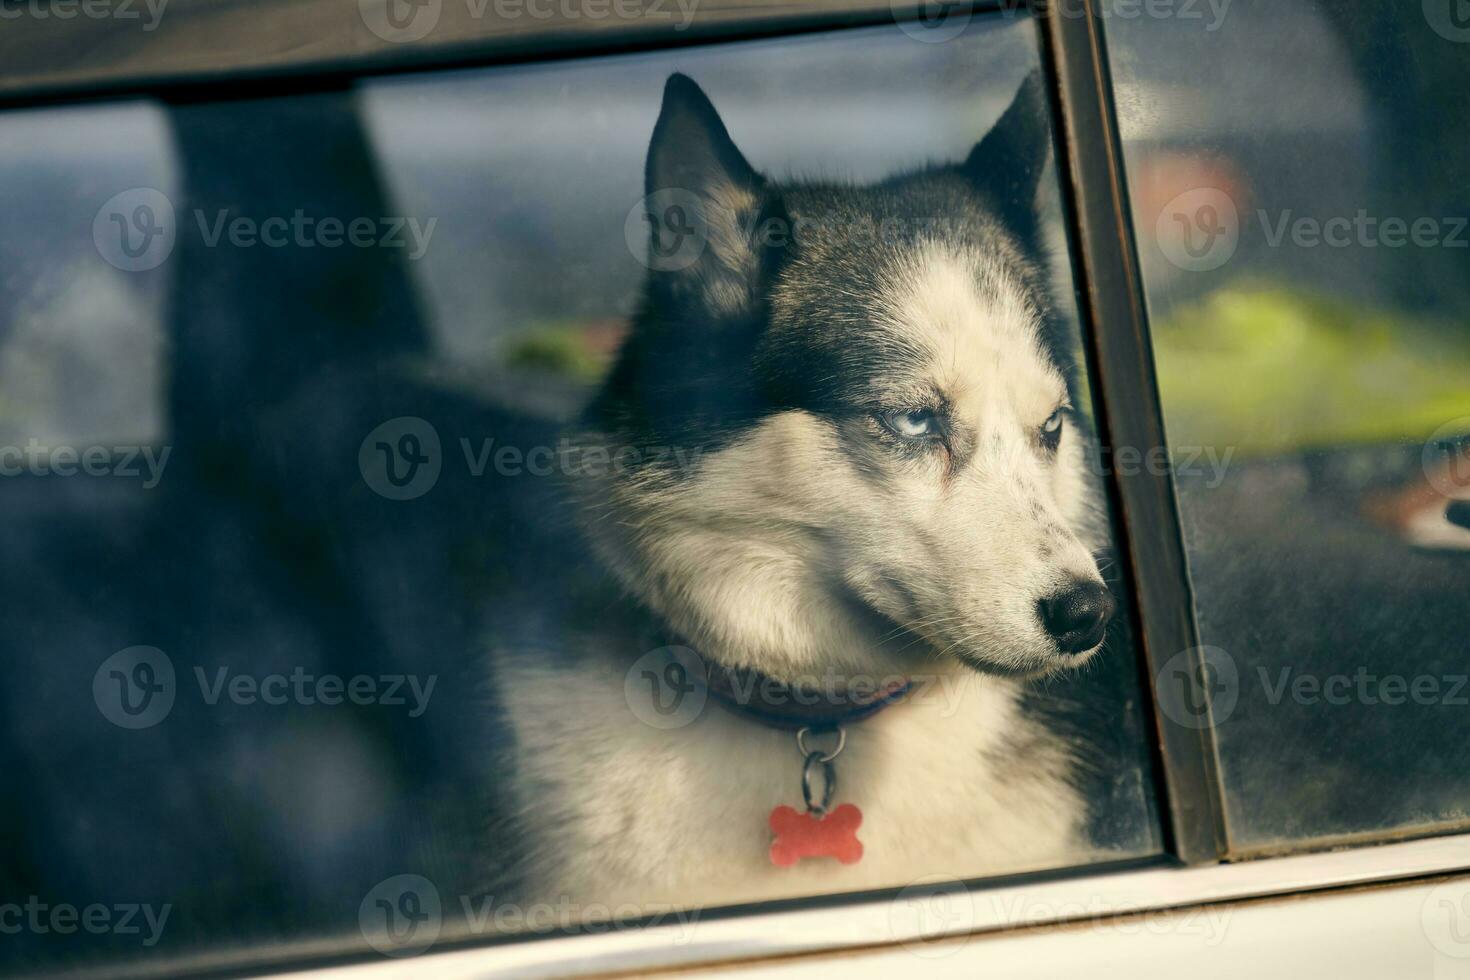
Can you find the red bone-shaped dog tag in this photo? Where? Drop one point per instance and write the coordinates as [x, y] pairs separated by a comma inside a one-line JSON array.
[[806, 835]]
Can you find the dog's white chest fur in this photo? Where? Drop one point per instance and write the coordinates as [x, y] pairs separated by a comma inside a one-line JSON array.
[[620, 812]]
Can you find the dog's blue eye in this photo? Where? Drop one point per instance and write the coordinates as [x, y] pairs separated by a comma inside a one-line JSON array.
[[915, 425], [1051, 431]]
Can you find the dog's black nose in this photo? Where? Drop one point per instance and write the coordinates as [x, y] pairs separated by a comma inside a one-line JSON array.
[[1077, 616], [1458, 512]]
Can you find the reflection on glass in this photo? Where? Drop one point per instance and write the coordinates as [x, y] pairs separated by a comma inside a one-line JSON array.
[[270, 352], [1299, 197]]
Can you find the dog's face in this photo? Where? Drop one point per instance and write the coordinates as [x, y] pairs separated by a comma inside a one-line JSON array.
[[891, 465]]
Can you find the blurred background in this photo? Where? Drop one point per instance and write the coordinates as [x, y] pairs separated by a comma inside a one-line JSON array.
[[1301, 210]]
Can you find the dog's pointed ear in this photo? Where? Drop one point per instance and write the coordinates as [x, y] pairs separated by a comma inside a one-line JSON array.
[[1008, 163], [705, 205], [691, 149]]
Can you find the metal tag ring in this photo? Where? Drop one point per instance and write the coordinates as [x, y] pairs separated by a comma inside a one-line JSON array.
[[801, 745], [829, 782]]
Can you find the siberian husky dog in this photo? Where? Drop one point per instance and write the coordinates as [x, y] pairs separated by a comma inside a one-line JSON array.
[[837, 473]]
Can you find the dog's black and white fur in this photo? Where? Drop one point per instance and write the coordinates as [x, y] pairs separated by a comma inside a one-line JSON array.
[[880, 472]]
